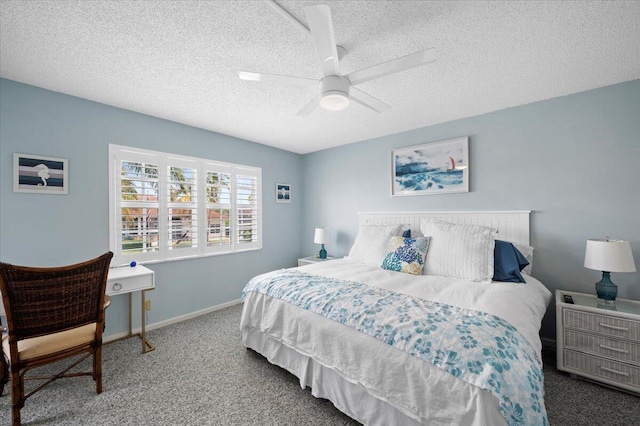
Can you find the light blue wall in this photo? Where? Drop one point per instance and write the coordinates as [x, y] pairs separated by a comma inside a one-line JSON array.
[[47, 230], [574, 161]]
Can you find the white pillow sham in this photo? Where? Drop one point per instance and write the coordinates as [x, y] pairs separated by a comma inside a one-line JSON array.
[[372, 243], [527, 252], [459, 251]]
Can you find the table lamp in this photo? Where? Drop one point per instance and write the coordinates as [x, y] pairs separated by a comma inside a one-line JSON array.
[[608, 256], [321, 237]]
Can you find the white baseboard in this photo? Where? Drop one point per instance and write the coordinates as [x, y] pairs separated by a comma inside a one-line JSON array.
[[173, 320]]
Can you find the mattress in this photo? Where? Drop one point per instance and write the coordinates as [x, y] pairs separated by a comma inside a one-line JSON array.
[[374, 382]]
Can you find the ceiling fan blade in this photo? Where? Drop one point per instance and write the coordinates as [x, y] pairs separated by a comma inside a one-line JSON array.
[[258, 76], [395, 65], [367, 100], [310, 107], [321, 27]]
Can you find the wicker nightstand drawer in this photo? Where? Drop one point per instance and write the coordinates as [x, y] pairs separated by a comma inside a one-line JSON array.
[[603, 346], [601, 367], [602, 324]]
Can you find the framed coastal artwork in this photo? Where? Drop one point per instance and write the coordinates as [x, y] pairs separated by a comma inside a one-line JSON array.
[[40, 174], [432, 168], [283, 193]]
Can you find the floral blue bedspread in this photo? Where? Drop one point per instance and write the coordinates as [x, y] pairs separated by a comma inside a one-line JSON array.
[[482, 349]]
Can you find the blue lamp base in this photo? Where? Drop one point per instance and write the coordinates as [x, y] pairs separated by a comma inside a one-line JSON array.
[[323, 253], [606, 290]]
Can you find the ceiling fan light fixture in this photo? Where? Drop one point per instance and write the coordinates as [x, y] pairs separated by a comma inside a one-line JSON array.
[[335, 92], [334, 100]]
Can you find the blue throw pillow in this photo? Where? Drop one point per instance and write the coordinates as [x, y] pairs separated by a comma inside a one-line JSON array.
[[507, 263], [406, 255], [406, 234]]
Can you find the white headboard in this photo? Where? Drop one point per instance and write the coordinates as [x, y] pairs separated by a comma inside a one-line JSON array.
[[509, 225]]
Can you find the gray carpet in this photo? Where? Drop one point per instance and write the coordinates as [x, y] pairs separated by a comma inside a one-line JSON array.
[[200, 374]]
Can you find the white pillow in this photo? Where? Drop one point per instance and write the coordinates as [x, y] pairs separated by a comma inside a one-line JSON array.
[[459, 251], [415, 232], [527, 252], [372, 243]]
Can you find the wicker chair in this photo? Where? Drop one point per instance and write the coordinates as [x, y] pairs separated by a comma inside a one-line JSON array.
[[52, 314]]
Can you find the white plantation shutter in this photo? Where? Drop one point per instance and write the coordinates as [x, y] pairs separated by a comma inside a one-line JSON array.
[[218, 185], [182, 205], [248, 211], [136, 225], [163, 206]]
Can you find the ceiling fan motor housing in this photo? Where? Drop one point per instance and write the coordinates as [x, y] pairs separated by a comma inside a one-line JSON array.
[[335, 92]]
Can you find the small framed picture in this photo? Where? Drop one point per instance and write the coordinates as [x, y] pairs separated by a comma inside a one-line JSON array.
[[283, 193], [40, 174]]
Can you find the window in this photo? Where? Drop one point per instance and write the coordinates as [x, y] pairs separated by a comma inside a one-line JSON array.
[[164, 206]]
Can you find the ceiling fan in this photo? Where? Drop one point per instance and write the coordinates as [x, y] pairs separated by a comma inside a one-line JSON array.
[[336, 89]]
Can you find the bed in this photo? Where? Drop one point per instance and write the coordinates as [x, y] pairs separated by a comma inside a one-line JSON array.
[[393, 348]]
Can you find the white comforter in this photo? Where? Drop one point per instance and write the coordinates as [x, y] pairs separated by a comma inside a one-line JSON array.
[[288, 336], [522, 305]]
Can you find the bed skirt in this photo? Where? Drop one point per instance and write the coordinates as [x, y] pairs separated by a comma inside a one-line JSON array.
[[348, 397], [264, 325]]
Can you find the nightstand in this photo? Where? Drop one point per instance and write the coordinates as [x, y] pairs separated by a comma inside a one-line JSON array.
[[312, 259], [598, 343]]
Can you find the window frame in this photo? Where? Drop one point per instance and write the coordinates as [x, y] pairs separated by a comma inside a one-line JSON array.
[[119, 153]]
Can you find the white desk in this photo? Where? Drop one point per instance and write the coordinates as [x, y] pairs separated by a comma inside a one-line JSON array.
[[128, 280], [125, 280]]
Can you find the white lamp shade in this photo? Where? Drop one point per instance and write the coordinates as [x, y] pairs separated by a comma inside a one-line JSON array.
[[609, 256], [321, 236]]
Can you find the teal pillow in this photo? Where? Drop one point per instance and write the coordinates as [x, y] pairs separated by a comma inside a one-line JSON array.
[[406, 255]]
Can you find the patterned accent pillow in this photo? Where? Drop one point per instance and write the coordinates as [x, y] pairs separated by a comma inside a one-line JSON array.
[[406, 255]]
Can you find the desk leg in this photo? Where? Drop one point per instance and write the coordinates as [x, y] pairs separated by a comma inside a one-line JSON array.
[[130, 314], [146, 345]]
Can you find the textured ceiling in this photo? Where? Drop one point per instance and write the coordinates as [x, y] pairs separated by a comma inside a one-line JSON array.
[[179, 60]]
